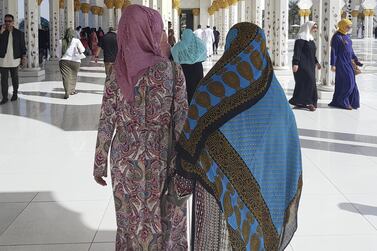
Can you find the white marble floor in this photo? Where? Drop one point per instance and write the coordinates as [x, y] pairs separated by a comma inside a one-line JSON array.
[[49, 201]]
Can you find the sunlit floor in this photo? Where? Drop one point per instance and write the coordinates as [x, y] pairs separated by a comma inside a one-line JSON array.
[[49, 201]]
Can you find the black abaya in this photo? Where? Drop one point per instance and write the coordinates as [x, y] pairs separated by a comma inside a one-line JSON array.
[[193, 74], [305, 92]]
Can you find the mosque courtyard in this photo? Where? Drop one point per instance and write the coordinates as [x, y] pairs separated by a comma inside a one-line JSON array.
[[50, 201]]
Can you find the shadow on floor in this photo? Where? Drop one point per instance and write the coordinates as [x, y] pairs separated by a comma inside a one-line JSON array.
[[358, 208], [48, 232]]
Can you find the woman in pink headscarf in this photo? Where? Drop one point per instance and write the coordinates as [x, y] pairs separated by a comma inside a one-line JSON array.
[[145, 96]]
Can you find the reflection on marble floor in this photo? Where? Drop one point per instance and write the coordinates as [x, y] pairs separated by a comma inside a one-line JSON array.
[[49, 201]]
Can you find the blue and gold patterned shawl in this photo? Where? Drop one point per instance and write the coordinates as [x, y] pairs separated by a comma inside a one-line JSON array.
[[241, 143]]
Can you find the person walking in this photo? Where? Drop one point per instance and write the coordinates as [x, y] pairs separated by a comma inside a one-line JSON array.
[[93, 43], [190, 53], [109, 46], [199, 32], [216, 34], [143, 107], [209, 39], [71, 51], [304, 63], [343, 63], [240, 145], [12, 55]]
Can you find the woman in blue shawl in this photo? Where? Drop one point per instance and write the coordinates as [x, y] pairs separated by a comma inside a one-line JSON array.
[[190, 52], [240, 146]]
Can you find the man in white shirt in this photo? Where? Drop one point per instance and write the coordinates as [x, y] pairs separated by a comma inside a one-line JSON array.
[[209, 39], [12, 54], [199, 32]]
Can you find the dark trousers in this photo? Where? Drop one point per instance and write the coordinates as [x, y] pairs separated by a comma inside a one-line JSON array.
[[4, 80], [215, 46]]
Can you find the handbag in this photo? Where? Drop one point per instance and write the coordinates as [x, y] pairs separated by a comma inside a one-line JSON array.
[[170, 192]]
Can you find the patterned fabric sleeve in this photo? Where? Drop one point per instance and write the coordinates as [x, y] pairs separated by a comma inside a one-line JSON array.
[[182, 185], [106, 127], [180, 101]]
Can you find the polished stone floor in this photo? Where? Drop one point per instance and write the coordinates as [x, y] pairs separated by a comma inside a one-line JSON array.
[[49, 201]]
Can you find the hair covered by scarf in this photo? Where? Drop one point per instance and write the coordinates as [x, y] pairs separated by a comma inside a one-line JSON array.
[[343, 25], [305, 32], [190, 49], [66, 41], [139, 37]]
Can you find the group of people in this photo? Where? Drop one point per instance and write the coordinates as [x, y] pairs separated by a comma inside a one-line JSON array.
[[90, 38], [210, 38], [344, 63], [229, 139]]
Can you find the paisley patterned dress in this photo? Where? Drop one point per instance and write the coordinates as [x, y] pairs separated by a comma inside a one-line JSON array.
[[137, 136]]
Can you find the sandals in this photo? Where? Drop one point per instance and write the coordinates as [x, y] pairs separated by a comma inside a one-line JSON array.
[[74, 93]]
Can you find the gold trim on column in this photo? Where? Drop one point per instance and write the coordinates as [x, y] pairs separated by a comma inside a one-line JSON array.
[[232, 2], [304, 12], [368, 12], [355, 13], [126, 4], [100, 11], [39, 2], [85, 8], [223, 4], [211, 10], [118, 4], [307, 12], [61, 4], [77, 5], [95, 10], [109, 4], [196, 12], [176, 4]]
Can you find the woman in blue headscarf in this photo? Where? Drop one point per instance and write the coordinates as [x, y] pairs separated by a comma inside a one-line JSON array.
[[190, 52], [240, 146]]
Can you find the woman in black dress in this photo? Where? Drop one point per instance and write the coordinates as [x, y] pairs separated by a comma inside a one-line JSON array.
[[304, 62], [190, 52]]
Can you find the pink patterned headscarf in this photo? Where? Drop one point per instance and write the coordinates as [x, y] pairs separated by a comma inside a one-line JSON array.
[[165, 46], [139, 37]]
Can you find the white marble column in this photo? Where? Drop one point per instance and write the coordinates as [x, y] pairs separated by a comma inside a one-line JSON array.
[[153, 4], [10, 7], [317, 17], [233, 14], [368, 6], [241, 10], [141, 2], [110, 13], [69, 11], [77, 6], [61, 18], [31, 34], [118, 14], [196, 14], [269, 24], [39, 14], [203, 15], [100, 17], [225, 26], [54, 28], [175, 23], [85, 8], [281, 34], [166, 11], [355, 14], [331, 11], [253, 11]]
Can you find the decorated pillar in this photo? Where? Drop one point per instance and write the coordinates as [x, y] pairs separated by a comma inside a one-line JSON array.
[[196, 13], [77, 12], [211, 13], [281, 34], [166, 10], [118, 4], [85, 8], [31, 34], [224, 9], [9, 7], [331, 15], [368, 23], [253, 12], [100, 17], [95, 12], [317, 17], [304, 12], [61, 18], [269, 24], [241, 10], [69, 11], [39, 14], [110, 13], [355, 16], [233, 12], [153, 4], [175, 23], [54, 28], [141, 2]]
